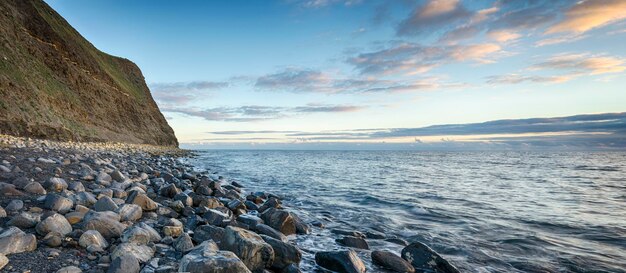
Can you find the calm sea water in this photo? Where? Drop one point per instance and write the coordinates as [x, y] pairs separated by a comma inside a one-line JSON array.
[[483, 211]]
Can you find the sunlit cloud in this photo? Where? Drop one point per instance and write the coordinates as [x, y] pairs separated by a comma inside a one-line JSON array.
[[183, 92], [503, 35], [517, 78], [584, 63], [590, 14], [435, 13]]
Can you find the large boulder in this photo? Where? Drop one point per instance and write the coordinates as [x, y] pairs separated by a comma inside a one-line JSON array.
[[209, 232], [92, 238], [105, 203], [344, 261], [55, 222], [207, 258], [355, 242], [124, 264], [285, 254], [55, 184], [391, 261], [269, 231], [58, 203], [280, 220], [255, 253], [142, 253], [141, 234], [14, 240], [105, 222], [129, 212], [423, 258], [142, 200]]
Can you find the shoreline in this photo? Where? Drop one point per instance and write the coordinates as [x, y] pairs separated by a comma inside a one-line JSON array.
[[114, 207]]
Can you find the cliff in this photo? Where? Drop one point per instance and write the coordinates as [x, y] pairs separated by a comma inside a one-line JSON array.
[[54, 84]]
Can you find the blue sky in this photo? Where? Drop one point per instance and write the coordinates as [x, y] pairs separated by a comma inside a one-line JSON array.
[[310, 73]]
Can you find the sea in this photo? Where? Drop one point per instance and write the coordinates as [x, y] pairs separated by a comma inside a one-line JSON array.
[[482, 211]]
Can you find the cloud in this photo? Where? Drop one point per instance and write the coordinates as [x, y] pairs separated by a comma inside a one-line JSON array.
[[183, 92], [309, 80], [251, 132], [435, 13], [324, 3], [503, 35], [516, 78], [254, 113], [590, 14], [411, 58], [584, 63]]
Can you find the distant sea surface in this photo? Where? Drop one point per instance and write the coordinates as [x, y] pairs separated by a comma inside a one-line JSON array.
[[483, 211]]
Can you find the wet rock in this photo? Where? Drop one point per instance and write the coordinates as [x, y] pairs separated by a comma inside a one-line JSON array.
[[250, 221], [105, 204], [24, 220], [34, 188], [285, 254], [53, 239], [423, 258], [183, 243], [55, 222], [216, 218], [69, 269], [270, 203], [292, 268], [207, 258], [13, 240], [391, 261], [255, 253], [129, 212], [142, 253], [106, 222], [372, 234], [345, 261], [169, 190], [55, 184], [142, 200], [251, 205], [280, 220], [397, 241], [355, 242], [58, 203], [209, 232], [14, 206], [124, 264], [348, 233], [92, 238], [301, 226], [269, 231]]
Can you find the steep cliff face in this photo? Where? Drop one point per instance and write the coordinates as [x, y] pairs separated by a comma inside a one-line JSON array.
[[54, 84]]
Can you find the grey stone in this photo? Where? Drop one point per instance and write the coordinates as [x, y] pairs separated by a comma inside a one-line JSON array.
[[344, 261], [391, 261], [209, 232], [53, 239], [24, 220], [55, 222], [92, 238], [14, 206], [105, 203], [118, 176], [124, 264], [105, 222], [14, 240], [423, 258], [143, 253], [140, 234], [255, 253], [207, 258], [183, 243], [142, 200], [35, 188], [3, 261], [216, 217], [285, 254], [69, 269], [129, 212], [58, 203], [355, 242], [55, 184], [85, 199]]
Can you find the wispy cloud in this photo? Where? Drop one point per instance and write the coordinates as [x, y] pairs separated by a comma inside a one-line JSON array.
[[517, 78], [590, 14], [254, 113], [309, 80], [411, 58], [433, 14], [324, 3], [183, 92]]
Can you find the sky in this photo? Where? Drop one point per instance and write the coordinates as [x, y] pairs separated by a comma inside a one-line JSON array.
[[378, 74]]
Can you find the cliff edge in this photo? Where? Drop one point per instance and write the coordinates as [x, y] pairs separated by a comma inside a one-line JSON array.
[[54, 84]]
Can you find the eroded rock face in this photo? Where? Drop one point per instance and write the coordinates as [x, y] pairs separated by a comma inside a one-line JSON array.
[[345, 261], [13, 240], [207, 258], [424, 258], [255, 253]]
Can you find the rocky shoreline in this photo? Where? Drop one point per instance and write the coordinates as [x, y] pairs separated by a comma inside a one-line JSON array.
[[103, 207]]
